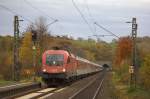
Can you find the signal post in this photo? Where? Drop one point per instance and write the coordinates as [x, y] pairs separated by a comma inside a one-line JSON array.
[[16, 67], [34, 39], [133, 68]]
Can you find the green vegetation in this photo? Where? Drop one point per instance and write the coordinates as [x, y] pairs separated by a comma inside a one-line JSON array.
[[121, 76], [5, 82]]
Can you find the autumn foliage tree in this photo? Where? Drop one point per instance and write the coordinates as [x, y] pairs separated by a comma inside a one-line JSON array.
[[123, 57], [26, 50], [6, 57], [123, 51], [26, 53]]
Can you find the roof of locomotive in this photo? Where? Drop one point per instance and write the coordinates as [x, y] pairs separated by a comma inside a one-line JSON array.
[[60, 52], [56, 51]]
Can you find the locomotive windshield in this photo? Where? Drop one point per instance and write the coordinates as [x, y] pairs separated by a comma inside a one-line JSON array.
[[54, 59]]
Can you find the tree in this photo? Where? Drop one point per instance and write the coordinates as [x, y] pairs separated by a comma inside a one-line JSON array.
[[26, 56], [124, 49], [90, 56], [103, 52], [6, 57], [123, 58], [41, 28], [80, 39]]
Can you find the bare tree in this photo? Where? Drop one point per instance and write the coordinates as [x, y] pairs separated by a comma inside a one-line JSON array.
[[41, 29]]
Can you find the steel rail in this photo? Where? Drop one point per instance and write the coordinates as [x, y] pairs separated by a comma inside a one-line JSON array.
[[89, 84], [83, 88], [98, 89]]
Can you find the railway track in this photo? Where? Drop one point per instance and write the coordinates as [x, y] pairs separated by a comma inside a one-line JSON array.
[[86, 88], [92, 90], [88, 93]]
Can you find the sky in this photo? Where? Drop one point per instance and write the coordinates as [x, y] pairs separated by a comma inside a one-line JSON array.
[[111, 14]]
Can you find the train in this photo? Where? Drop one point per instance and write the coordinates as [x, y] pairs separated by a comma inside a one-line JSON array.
[[63, 66]]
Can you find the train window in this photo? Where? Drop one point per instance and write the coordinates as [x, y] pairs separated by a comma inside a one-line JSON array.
[[54, 59]]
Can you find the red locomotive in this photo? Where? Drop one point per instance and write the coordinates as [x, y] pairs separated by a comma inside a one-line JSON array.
[[60, 65]]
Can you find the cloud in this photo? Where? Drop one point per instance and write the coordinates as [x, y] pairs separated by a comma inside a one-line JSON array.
[[110, 13], [120, 3]]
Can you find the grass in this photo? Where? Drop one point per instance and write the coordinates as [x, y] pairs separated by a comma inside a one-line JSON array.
[[126, 92], [5, 83], [138, 93]]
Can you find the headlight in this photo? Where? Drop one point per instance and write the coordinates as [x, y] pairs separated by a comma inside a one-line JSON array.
[[64, 70], [44, 70]]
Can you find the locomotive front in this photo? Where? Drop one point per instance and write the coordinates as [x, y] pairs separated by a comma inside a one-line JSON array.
[[54, 64]]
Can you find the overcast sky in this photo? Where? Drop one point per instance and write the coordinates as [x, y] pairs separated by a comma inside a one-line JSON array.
[[111, 14]]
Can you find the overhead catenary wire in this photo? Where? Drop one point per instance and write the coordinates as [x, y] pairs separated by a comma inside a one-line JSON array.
[[39, 10], [98, 36], [102, 35], [88, 10], [15, 13], [90, 14], [82, 16], [108, 31]]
